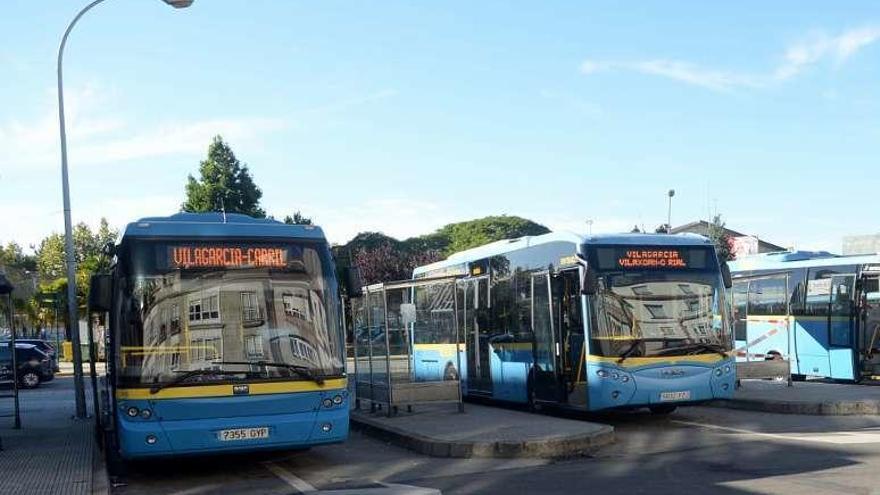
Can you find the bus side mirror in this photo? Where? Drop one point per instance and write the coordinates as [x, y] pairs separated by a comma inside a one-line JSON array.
[[353, 282], [99, 293], [589, 282], [725, 274]]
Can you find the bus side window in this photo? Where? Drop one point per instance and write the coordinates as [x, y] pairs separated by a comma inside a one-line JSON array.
[[768, 297]]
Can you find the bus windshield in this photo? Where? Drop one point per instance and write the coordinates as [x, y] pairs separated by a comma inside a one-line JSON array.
[[222, 312], [648, 312]]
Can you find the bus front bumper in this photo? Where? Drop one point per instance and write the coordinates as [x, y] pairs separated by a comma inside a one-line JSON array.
[[157, 438], [613, 387]]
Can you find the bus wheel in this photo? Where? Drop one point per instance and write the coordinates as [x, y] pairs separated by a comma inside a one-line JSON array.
[[663, 410], [773, 356], [450, 373]]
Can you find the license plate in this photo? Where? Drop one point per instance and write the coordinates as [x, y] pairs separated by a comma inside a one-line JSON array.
[[674, 396], [243, 434]]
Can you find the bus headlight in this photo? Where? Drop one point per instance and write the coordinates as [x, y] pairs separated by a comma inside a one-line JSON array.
[[151, 439], [718, 372], [146, 414], [727, 369], [327, 402], [337, 399], [132, 412], [602, 373], [326, 427]]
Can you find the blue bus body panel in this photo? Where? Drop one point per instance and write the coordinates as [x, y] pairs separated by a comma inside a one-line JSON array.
[[192, 426], [510, 371], [198, 225]]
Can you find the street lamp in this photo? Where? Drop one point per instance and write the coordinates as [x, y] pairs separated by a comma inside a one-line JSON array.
[[72, 309], [671, 193]]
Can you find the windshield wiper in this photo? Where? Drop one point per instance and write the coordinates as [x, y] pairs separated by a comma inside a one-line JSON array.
[[711, 347], [302, 371], [630, 350], [187, 375]]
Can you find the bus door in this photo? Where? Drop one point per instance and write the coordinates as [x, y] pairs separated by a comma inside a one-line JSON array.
[[476, 319], [569, 325], [841, 326], [545, 376], [869, 322]]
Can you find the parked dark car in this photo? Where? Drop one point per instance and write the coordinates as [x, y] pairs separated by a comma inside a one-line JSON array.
[[34, 366], [44, 346]]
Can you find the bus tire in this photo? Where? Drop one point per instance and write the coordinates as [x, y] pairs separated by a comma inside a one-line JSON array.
[[798, 378], [773, 356], [663, 409], [450, 373]]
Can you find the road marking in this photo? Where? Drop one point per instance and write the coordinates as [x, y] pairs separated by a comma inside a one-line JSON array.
[[291, 479], [865, 436]]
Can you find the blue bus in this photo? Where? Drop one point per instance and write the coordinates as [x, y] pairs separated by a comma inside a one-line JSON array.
[[603, 322], [819, 311], [224, 335]]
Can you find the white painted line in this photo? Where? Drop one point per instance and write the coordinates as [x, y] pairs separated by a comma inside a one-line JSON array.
[[291, 479], [866, 436]]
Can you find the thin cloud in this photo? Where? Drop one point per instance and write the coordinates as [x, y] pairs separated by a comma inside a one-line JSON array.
[[797, 58]]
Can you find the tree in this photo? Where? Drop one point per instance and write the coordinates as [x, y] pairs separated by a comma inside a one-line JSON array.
[[297, 219], [224, 184], [722, 240], [635, 230], [88, 245], [383, 258], [466, 235]]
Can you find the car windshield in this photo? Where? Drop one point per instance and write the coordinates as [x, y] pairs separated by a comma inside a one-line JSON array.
[[660, 313], [188, 307]]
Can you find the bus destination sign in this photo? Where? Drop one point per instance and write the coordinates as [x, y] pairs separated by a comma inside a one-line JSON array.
[[651, 258], [227, 256]]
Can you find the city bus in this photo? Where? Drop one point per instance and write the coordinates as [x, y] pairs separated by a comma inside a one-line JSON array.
[[603, 322], [224, 335], [818, 311]]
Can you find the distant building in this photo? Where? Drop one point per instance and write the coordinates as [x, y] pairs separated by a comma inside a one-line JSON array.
[[861, 244], [743, 244]]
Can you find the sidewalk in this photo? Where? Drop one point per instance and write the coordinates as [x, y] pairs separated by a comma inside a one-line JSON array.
[[52, 453], [481, 431], [67, 368], [813, 398]]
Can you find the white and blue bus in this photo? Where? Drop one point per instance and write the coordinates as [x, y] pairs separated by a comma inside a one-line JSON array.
[[818, 311], [224, 335], [603, 322]]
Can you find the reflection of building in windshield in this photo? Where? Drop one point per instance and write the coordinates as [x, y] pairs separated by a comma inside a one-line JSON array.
[[193, 319], [657, 310]]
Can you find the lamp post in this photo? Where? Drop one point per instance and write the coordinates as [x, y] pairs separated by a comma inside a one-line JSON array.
[[73, 310], [669, 212]]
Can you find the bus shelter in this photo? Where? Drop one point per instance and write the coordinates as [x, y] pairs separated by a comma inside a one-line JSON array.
[[406, 345]]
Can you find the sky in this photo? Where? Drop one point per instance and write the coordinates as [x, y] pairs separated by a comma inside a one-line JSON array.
[[402, 116]]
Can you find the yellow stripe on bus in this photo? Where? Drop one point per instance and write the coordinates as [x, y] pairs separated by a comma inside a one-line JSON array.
[[225, 390], [633, 362]]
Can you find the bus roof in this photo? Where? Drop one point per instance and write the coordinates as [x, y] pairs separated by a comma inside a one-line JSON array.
[[787, 260], [509, 245], [218, 225]]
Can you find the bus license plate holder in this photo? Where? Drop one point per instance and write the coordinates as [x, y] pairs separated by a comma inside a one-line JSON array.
[[675, 396], [239, 434]]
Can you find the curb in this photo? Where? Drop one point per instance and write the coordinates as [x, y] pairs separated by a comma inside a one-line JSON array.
[[827, 408], [547, 448]]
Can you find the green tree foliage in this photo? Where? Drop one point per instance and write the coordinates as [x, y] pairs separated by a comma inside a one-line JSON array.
[[384, 258], [51, 261], [722, 240], [224, 184], [297, 219], [473, 233]]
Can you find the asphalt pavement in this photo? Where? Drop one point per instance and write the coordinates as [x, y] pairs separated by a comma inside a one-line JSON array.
[[699, 450]]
